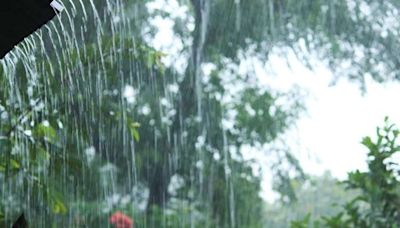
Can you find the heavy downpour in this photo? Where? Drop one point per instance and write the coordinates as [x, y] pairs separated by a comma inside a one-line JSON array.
[[199, 113]]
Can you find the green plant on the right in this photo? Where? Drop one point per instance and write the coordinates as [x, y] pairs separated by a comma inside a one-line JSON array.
[[378, 203]]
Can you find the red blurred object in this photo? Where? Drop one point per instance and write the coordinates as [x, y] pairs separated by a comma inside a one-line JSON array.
[[120, 220]]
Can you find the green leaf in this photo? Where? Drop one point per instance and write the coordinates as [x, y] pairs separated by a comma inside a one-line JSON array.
[[367, 141], [133, 127], [59, 207], [47, 132], [15, 164], [55, 201], [136, 135], [42, 154]]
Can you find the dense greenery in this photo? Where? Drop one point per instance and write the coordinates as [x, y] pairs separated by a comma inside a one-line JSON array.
[[93, 118], [99, 125]]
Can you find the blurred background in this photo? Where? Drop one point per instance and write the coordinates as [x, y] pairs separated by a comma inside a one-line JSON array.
[[204, 113]]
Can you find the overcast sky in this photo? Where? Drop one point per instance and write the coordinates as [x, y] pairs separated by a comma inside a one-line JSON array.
[[338, 117]]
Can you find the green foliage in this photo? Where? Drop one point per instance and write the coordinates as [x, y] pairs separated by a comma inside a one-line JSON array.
[[70, 138], [377, 204], [301, 223]]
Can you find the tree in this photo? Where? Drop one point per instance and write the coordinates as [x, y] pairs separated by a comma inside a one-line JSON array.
[[85, 84], [78, 97]]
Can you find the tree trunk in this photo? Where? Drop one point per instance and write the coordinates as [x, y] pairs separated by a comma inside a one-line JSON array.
[[188, 105]]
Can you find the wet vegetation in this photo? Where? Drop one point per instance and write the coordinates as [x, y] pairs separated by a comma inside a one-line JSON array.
[[141, 107]]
